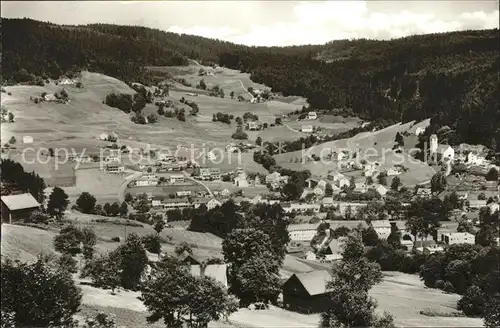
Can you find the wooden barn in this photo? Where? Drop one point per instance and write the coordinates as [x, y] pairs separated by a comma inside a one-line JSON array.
[[18, 207], [306, 292]]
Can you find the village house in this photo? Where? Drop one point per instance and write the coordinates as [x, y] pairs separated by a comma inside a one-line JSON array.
[[382, 190], [360, 187], [335, 176], [183, 193], [276, 177], [176, 178], [427, 247], [189, 258], [319, 192], [147, 179], [18, 207], [253, 126], [476, 203], [301, 207], [306, 292], [213, 203], [445, 152], [207, 173], [172, 204], [382, 228], [241, 180], [419, 131], [343, 206], [423, 193], [392, 172], [431, 249], [312, 115], [27, 139], [306, 129], [327, 202], [302, 232], [333, 251], [475, 159], [452, 238], [114, 168]]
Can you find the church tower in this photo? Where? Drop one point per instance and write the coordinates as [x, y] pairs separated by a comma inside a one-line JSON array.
[[433, 143]]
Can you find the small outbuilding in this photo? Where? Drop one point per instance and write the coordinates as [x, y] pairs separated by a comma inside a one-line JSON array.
[[306, 292], [18, 207]]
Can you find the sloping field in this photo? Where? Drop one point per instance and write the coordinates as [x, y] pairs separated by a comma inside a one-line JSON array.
[[374, 146], [401, 294]]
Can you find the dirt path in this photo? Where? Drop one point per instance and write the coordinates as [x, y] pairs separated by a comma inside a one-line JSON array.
[[123, 186], [198, 182]]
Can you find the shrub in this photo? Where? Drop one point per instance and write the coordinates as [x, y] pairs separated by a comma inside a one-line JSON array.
[[67, 263], [240, 135], [32, 291], [37, 217], [152, 243], [116, 239]]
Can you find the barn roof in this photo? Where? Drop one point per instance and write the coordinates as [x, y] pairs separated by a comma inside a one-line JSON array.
[[21, 201], [314, 281]]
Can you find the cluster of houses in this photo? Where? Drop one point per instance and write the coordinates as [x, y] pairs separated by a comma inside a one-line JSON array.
[[236, 147], [338, 182]]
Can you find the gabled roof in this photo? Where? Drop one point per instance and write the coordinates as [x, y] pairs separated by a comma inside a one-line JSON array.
[[381, 224], [314, 281], [442, 148], [21, 201], [186, 255]]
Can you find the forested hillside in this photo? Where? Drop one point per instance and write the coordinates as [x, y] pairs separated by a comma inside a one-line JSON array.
[[451, 77]]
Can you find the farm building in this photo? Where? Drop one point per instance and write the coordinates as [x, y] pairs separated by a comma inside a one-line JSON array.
[[113, 168], [176, 178], [27, 139], [333, 251], [183, 193], [382, 191], [476, 203], [302, 232], [452, 238], [18, 207], [312, 116], [382, 228], [206, 173], [419, 131], [445, 152], [307, 129], [213, 203], [186, 257], [306, 292], [301, 207], [241, 181], [276, 177]]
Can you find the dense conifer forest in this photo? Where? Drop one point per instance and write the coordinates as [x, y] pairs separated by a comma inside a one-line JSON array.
[[451, 77]]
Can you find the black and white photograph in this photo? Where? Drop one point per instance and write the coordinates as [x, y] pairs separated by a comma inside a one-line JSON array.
[[250, 164]]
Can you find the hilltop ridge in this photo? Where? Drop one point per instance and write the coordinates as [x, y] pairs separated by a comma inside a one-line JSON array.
[[450, 77]]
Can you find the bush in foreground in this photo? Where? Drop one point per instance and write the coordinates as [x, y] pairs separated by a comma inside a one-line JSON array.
[[30, 293]]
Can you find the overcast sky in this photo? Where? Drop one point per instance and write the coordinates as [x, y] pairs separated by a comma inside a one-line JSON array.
[[268, 23]]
